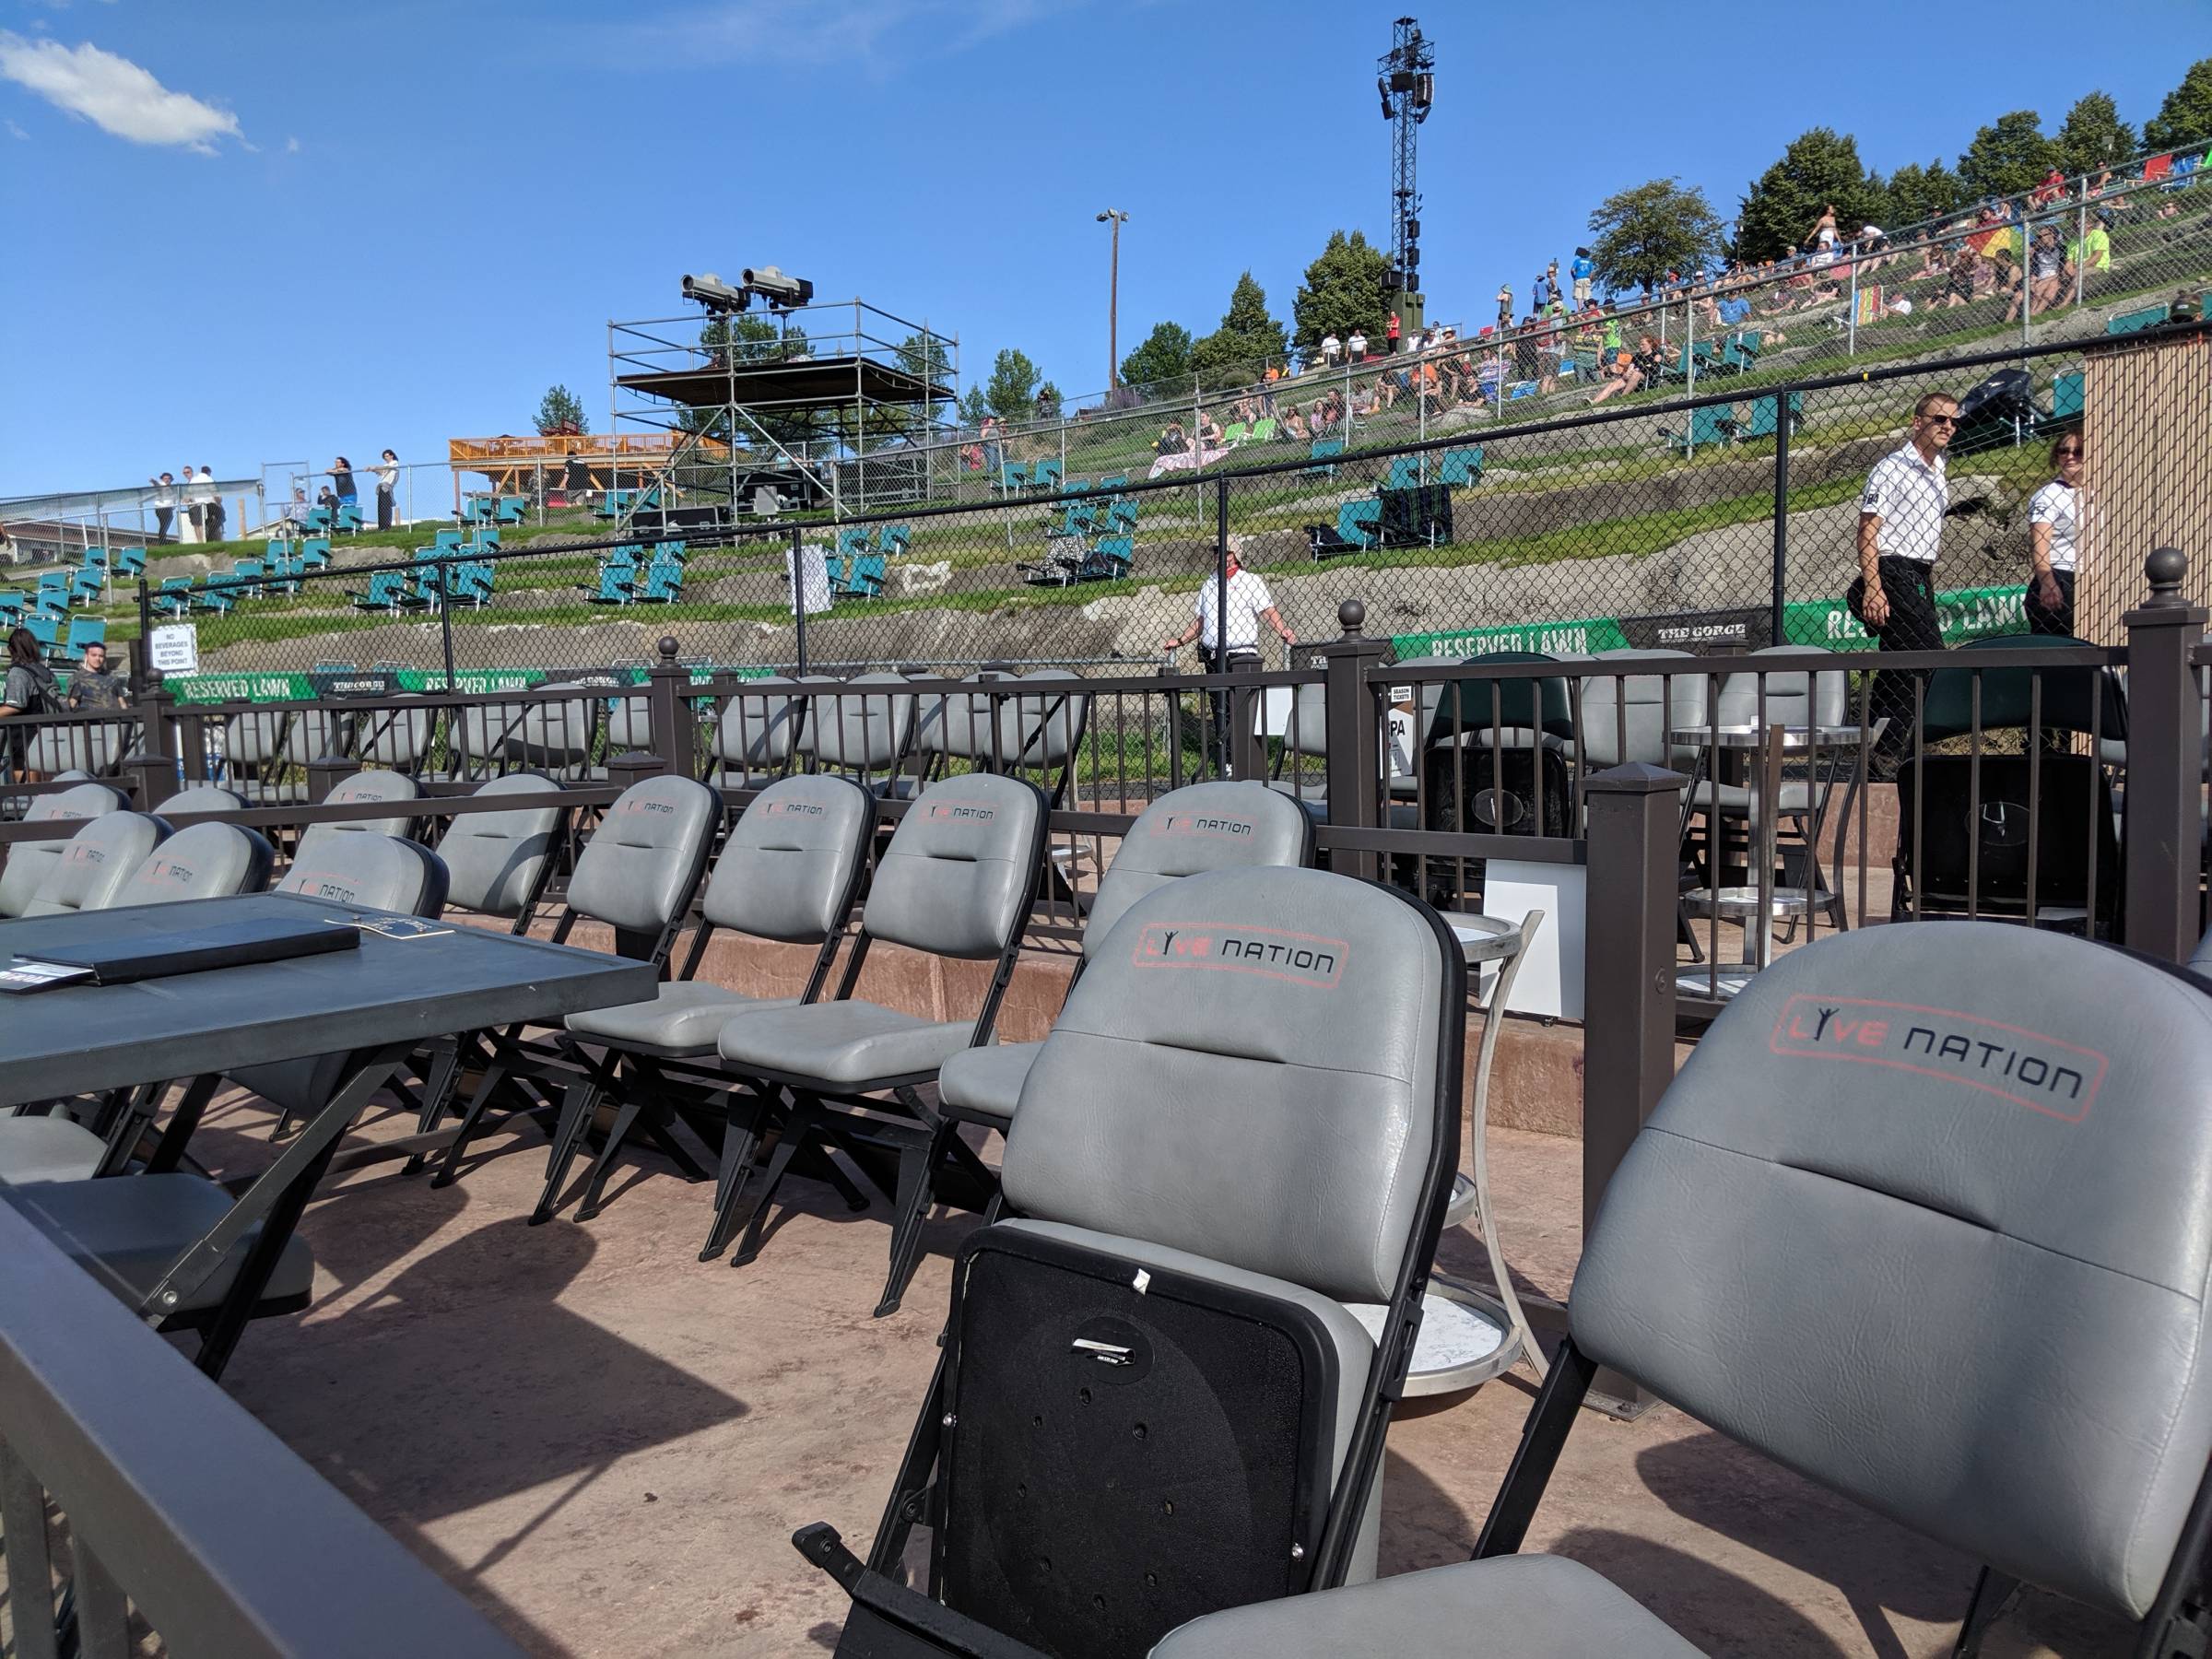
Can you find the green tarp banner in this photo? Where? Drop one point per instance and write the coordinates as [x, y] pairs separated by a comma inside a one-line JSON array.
[[299, 688]]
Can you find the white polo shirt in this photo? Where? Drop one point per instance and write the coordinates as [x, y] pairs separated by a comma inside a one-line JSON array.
[[1248, 597], [1908, 496], [2058, 504]]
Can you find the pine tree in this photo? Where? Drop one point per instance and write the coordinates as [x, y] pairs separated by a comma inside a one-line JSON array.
[[559, 413], [1012, 389], [2008, 157], [1820, 169], [1343, 293], [1918, 193], [1247, 339], [1164, 356], [2093, 135], [2186, 115]]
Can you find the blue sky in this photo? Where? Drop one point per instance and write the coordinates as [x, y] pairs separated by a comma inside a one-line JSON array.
[[272, 232]]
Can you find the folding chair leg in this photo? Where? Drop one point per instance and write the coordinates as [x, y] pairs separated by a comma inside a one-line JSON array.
[[660, 1129], [911, 1208], [578, 1103], [437, 1096], [802, 1125], [450, 1163], [740, 1140], [594, 1182], [1993, 1593]]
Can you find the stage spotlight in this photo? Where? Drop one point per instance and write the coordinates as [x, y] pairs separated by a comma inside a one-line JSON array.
[[782, 292], [715, 294]]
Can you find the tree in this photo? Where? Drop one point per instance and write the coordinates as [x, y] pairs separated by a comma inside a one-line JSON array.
[[559, 413], [973, 409], [755, 340], [2186, 115], [2093, 135], [2008, 157], [1917, 193], [1343, 292], [1164, 356], [1819, 168], [1639, 235], [1012, 389], [1247, 338]]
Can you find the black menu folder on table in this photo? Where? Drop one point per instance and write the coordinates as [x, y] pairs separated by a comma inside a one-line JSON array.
[[194, 949]]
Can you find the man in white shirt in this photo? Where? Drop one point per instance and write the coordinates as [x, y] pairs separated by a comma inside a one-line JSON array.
[[1331, 348], [1236, 649], [1357, 345], [1900, 533]]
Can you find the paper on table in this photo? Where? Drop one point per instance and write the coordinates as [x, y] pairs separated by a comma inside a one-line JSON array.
[[26, 974], [391, 927]]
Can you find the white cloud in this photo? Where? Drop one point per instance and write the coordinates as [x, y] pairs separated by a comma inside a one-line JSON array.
[[880, 34], [113, 93], [291, 147], [15, 132]]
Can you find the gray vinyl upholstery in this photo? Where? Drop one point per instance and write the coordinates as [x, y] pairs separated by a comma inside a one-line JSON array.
[[365, 786], [493, 859], [638, 868], [557, 734], [377, 872], [1791, 698], [30, 862], [48, 1148], [1009, 720], [1187, 831], [1626, 718], [136, 1227], [316, 734], [956, 880], [205, 861], [957, 877], [1925, 1219], [93, 746], [95, 863], [2200, 960], [398, 734], [1303, 1012], [864, 728], [754, 731], [1529, 1606], [203, 797], [788, 872], [629, 725]]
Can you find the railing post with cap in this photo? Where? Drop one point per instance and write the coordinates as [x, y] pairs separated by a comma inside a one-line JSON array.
[[668, 703], [154, 760], [1627, 983], [2165, 764], [1354, 742]]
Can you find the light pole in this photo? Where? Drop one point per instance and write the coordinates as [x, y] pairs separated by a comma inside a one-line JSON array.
[[1117, 218]]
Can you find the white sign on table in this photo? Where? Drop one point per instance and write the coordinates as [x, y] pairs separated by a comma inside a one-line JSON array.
[[174, 648]]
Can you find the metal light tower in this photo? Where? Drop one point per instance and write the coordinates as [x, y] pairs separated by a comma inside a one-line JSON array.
[[1405, 76], [1113, 298]]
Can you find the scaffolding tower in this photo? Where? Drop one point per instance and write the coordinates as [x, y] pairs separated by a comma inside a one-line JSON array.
[[832, 406], [1405, 76]]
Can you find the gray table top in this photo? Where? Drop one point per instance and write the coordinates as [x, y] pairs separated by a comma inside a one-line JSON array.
[[79, 1039], [1755, 737]]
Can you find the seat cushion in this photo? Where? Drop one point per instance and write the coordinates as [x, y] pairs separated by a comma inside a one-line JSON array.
[[47, 1149], [841, 1042], [684, 1017], [1735, 798], [987, 1079], [134, 1225], [1531, 1606]]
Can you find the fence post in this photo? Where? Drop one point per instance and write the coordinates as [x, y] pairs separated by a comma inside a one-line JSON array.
[[798, 597], [1354, 742], [669, 705], [1627, 983], [2165, 752], [142, 668], [445, 619], [1782, 514], [154, 762]]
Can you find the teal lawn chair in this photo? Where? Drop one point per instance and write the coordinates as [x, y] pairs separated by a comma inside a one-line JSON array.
[[1117, 554], [130, 561], [450, 538], [1046, 474], [46, 627], [664, 582], [617, 584], [1405, 473], [84, 631], [1708, 427], [1461, 466], [2067, 396], [349, 519], [512, 510], [1320, 452], [852, 540], [387, 591], [314, 552], [1013, 476], [1360, 521], [894, 539]]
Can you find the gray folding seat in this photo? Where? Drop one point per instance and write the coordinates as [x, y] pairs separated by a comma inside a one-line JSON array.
[[397, 735], [866, 733], [362, 787], [205, 861], [254, 752], [1214, 825], [1627, 717], [30, 862], [1924, 1219], [203, 797], [98, 861], [497, 862], [790, 871], [1154, 1401], [555, 735], [1792, 699], [1305, 735], [956, 880], [754, 732], [94, 747], [637, 875]]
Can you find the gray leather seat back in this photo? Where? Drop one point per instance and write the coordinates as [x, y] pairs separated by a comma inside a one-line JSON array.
[[753, 733], [90, 746], [380, 872], [1306, 726], [1216, 825], [962, 867], [1627, 717], [960, 722], [397, 735], [629, 725], [30, 862], [254, 737], [1926, 1218], [97, 862], [493, 859], [864, 729], [380, 785], [792, 862], [203, 797], [1247, 1071], [557, 734], [1793, 698], [205, 861], [1041, 727], [637, 870], [317, 733]]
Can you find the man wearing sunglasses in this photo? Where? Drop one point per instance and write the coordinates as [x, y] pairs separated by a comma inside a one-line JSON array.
[[1900, 533]]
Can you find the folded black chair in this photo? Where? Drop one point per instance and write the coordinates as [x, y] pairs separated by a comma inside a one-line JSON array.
[[789, 871], [1153, 1401], [637, 875], [956, 880], [97, 863], [1924, 1219]]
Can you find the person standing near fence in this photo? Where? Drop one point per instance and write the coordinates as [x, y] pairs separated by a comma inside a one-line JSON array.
[[387, 489], [29, 689], [2055, 522], [207, 498], [342, 485], [1236, 648], [196, 512], [165, 507], [1900, 534]]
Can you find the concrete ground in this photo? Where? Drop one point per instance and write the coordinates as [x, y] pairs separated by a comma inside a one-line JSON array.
[[609, 1444]]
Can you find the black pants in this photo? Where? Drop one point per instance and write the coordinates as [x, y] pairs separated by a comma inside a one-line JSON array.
[[383, 507], [2044, 620], [164, 518], [1909, 586], [211, 526], [1237, 659]]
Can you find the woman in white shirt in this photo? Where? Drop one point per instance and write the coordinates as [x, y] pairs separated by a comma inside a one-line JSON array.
[[387, 486], [2054, 525]]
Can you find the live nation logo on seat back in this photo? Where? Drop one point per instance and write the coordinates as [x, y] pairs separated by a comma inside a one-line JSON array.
[[1228, 948], [2033, 1069]]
